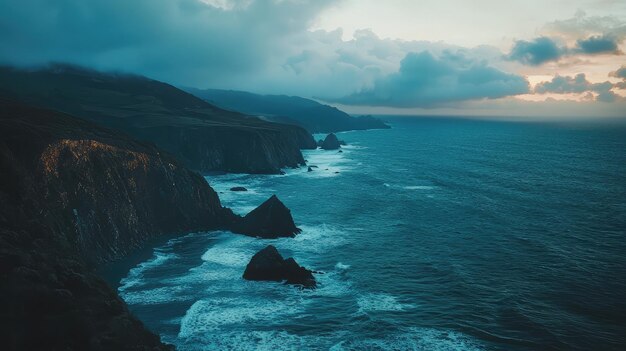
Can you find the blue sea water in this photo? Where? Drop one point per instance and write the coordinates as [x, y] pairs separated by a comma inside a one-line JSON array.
[[439, 234]]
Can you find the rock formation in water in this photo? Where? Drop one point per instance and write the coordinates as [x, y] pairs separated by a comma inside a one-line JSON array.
[[269, 265], [238, 188], [272, 219], [202, 136], [331, 142], [72, 196]]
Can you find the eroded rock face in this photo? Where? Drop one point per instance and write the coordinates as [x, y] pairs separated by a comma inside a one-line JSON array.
[[72, 196], [331, 142], [272, 219], [269, 265]]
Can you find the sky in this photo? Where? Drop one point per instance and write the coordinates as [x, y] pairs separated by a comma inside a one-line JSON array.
[[531, 58]]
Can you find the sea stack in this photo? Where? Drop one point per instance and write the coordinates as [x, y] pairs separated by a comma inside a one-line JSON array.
[[331, 142], [272, 219], [269, 265]]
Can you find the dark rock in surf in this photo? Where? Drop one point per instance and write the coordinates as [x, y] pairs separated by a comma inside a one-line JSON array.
[[331, 142], [238, 188], [310, 169], [269, 265], [272, 219]]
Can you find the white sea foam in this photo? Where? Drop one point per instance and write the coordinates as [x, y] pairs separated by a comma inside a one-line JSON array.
[[252, 340], [135, 275], [216, 313], [342, 266], [380, 302], [416, 339], [326, 163], [228, 256], [154, 296], [419, 187]]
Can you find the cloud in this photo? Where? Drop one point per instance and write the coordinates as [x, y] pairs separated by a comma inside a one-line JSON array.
[[536, 51], [543, 49], [586, 35], [583, 26], [620, 73], [181, 41], [577, 85], [424, 80], [264, 46], [597, 45]]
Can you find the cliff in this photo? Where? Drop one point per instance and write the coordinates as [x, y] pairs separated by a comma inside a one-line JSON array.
[[205, 137], [74, 195], [310, 114]]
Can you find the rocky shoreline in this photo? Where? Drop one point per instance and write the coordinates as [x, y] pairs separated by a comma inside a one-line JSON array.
[[88, 179], [74, 196]]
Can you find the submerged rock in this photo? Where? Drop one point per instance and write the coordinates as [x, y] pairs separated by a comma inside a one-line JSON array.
[[331, 142], [269, 265], [238, 188], [272, 219]]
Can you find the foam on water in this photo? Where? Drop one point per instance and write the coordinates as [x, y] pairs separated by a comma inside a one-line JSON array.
[[417, 339], [156, 296], [214, 314], [328, 162], [419, 187], [380, 302], [342, 266], [135, 275]]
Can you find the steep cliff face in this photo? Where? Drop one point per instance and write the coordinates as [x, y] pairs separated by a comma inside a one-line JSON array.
[[205, 137], [112, 191], [239, 150], [74, 195]]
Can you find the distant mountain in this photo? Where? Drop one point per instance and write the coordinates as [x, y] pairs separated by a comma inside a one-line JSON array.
[[310, 114], [206, 138]]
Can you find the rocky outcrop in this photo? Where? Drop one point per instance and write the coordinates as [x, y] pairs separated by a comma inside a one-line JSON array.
[[269, 265], [272, 219], [331, 142], [238, 188], [204, 137], [72, 196]]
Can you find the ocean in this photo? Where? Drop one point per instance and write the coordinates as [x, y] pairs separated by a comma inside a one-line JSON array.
[[438, 234]]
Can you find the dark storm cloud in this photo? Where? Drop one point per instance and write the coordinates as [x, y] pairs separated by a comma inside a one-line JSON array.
[[536, 51], [427, 81], [578, 85], [183, 41]]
